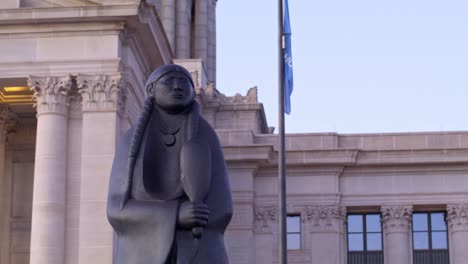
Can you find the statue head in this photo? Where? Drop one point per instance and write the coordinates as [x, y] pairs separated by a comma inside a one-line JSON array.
[[171, 87]]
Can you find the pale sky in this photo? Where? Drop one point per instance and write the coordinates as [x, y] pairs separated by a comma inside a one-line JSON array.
[[360, 66]]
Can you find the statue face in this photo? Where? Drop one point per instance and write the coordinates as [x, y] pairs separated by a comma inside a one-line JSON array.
[[173, 92]]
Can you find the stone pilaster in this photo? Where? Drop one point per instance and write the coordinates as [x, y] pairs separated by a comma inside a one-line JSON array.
[[266, 223], [183, 28], [7, 126], [327, 225], [102, 100], [168, 19], [457, 218], [48, 213], [211, 54], [73, 178], [201, 31], [396, 220]]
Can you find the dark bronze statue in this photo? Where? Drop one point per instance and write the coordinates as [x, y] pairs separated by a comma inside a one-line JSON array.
[[169, 196]]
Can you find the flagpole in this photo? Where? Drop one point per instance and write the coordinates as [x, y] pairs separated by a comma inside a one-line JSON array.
[[283, 253]]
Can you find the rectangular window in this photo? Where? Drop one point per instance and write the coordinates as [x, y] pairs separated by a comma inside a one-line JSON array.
[[293, 227], [430, 242], [365, 239]]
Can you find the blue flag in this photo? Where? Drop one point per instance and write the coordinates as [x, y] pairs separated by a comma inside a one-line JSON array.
[[287, 61]]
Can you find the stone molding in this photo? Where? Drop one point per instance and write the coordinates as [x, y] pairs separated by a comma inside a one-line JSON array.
[[325, 217], [50, 93], [265, 216], [101, 92], [457, 217], [396, 218]]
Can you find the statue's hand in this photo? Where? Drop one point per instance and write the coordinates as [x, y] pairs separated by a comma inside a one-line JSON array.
[[192, 215]]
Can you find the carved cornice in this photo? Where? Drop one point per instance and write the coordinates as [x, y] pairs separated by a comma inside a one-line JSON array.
[[101, 92], [50, 93], [396, 218], [264, 217], [325, 217], [457, 217]]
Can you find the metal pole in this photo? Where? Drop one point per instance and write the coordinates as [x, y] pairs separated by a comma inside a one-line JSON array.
[[283, 253]]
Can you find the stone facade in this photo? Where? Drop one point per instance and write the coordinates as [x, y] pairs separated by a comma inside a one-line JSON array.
[[84, 64]]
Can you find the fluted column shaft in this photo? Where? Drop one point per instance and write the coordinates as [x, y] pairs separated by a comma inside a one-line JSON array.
[[48, 212], [201, 30], [212, 42], [168, 20], [457, 218], [102, 98], [396, 220], [6, 125], [183, 39]]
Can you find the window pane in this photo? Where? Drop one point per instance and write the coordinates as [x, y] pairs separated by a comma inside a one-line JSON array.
[[293, 224], [420, 222], [439, 240], [294, 241], [354, 223], [374, 241], [420, 240], [373, 223], [355, 242], [438, 222]]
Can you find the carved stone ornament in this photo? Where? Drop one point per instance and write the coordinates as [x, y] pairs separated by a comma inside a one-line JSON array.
[[397, 218], [264, 216], [211, 95], [101, 92], [457, 217], [326, 217], [50, 93]]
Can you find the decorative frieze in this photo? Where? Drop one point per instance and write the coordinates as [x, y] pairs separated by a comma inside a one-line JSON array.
[[396, 218], [101, 92], [264, 217], [50, 93], [457, 217], [325, 217]]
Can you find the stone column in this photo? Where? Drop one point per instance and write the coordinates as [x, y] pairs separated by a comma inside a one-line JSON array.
[[201, 31], [457, 218], [102, 98], [396, 220], [211, 68], [7, 123], [168, 18], [48, 207], [328, 231], [183, 36]]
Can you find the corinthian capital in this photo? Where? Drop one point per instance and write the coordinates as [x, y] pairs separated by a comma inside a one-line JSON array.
[[326, 218], [457, 217], [101, 92], [264, 217], [50, 93], [396, 218]]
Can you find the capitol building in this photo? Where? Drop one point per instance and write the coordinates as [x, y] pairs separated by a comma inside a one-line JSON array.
[[72, 75]]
